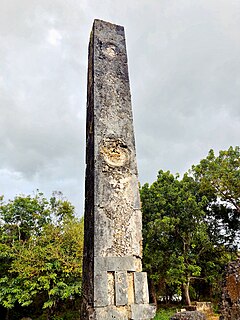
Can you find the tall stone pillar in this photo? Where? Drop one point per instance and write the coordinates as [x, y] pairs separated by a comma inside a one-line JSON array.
[[114, 286]]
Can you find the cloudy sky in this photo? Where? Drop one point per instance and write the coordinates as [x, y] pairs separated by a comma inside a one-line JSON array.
[[184, 63]]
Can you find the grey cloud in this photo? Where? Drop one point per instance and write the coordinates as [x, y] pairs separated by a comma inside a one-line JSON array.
[[185, 77]]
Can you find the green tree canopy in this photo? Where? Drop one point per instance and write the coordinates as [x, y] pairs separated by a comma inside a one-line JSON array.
[[41, 246], [219, 179], [221, 176], [178, 248]]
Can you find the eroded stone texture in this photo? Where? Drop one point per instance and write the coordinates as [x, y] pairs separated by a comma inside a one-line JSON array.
[[142, 311], [110, 313], [189, 315], [101, 289], [141, 287], [230, 304], [116, 263], [121, 288], [113, 221]]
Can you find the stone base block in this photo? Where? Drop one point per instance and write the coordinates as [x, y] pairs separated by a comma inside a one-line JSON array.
[[110, 313], [142, 311], [189, 315]]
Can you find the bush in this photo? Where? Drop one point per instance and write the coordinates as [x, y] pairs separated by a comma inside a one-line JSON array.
[[165, 314]]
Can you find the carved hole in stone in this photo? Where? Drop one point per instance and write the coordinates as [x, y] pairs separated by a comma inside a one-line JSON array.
[[110, 50], [115, 153], [130, 288], [111, 288]]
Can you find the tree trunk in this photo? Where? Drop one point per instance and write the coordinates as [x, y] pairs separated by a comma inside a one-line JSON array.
[[183, 295], [152, 292], [186, 292], [7, 315]]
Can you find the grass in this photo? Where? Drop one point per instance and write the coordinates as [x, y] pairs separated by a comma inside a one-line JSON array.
[[165, 314]]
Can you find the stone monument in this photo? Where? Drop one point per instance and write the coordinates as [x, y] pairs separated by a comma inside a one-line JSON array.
[[230, 302], [114, 286]]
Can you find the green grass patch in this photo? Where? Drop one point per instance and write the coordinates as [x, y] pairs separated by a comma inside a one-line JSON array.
[[165, 314]]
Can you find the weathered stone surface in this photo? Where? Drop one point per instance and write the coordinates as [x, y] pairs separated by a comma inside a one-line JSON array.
[[230, 304], [205, 307], [117, 225], [141, 287], [115, 264], [113, 220], [142, 311], [101, 289], [111, 288], [110, 313], [121, 288], [131, 298], [189, 315]]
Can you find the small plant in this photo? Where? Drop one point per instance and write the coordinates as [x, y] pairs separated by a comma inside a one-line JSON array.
[[165, 314]]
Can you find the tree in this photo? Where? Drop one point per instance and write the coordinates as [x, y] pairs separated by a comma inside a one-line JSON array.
[[23, 217], [175, 233], [41, 256], [219, 176]]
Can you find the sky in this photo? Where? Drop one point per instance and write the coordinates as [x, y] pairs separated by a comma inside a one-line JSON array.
[[184, 65]]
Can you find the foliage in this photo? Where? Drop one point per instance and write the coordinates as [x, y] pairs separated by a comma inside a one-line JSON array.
[[22, 217], [65, 315], [165, 314], [178, 248], [41, 251], [220, 177]]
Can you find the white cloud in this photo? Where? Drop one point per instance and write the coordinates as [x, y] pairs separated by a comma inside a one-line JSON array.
[[54, 37]]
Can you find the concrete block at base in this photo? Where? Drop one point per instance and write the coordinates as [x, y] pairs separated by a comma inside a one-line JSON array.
[[142, 311], [114, 264], [110, 313], [141, 288], [101, 290], [121, 288]]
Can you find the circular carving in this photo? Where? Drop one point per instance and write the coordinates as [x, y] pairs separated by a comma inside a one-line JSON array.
[[110, 50], [115, 153]]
